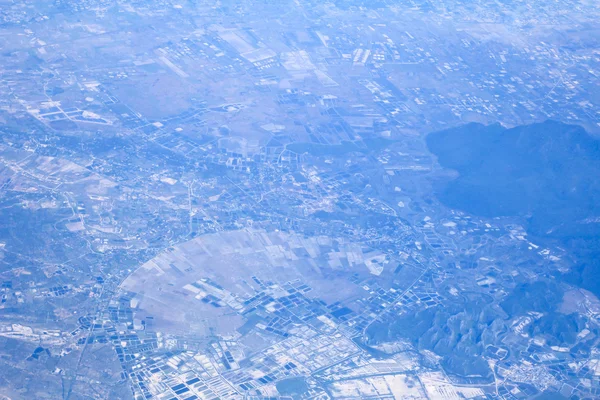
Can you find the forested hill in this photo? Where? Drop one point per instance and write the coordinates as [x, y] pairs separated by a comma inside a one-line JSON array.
[[548, 173]]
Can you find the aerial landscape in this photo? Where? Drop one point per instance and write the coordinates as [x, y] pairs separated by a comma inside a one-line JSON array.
[[299, 199]]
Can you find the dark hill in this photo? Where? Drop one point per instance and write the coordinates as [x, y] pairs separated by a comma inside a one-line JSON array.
[[548, 173]]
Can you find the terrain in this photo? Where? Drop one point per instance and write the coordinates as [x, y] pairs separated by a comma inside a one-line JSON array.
[[301, 199]]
